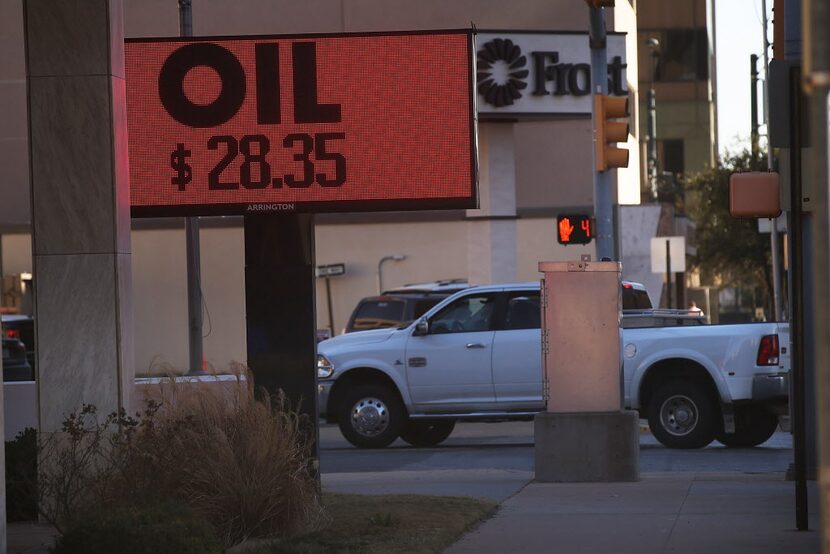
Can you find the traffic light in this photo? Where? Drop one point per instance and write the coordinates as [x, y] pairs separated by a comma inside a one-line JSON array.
[[608, 131], [574, 229]]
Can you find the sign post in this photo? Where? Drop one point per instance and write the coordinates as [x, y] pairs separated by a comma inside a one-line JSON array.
[[328, 271], [668, 254]]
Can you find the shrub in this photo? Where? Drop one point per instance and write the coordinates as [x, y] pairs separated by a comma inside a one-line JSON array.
[[242, 463], [21, 476], [152, 529]]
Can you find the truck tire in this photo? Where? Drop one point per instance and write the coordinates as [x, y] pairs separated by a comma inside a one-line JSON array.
[[683, 414], [753, 426], [427, 432], [371, 416]]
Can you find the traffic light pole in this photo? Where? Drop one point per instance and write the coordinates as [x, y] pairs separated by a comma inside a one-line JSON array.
[[817, 81], [603, 184]]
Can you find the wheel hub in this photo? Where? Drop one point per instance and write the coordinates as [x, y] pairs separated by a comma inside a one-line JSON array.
[[679, 416], [370, 417]]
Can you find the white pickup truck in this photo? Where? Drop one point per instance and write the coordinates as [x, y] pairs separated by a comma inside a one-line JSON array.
[[477, 356]]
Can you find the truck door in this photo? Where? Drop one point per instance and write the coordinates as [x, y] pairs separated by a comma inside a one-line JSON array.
[[517, 355], [450, 368]]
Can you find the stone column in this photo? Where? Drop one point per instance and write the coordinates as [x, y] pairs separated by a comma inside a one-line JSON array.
[[491, 229], [3, 525], [80, 206]]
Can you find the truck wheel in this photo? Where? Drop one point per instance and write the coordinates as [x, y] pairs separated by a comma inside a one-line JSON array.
[[753, 426], [370, 416], [427, 432], [683, 415]]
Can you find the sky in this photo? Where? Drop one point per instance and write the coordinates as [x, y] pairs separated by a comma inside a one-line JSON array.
[[738, 32]]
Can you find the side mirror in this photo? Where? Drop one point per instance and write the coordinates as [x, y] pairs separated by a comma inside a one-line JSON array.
[[421, 328]]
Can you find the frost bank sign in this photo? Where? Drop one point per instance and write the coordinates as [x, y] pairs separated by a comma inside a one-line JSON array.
[[538, 74]]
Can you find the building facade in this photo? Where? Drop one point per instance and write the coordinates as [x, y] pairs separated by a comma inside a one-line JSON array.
[[531, 169], [676, 53]]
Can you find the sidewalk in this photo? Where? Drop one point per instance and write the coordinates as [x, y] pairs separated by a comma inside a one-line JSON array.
[[690, 513], [678, 513]]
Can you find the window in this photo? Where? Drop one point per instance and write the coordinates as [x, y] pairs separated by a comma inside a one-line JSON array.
[[684, 55], [376, 314], [673, 160], [465, 315], [523, 312], [423, 306], [635, 299]]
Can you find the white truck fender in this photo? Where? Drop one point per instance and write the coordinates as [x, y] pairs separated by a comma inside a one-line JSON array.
[[396, 375], [643, 366]]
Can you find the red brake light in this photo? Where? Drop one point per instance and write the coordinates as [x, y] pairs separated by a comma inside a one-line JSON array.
[[627, 285], [12, 333], [768, 350]]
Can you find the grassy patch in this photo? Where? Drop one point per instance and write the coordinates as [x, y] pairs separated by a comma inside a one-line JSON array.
[[401, 523]]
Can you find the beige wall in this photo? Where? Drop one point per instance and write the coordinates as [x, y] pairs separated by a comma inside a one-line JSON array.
[[435, 250], [17, 253], [554, 172], [160, 299]]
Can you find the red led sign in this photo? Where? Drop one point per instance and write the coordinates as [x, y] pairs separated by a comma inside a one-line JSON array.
[[574, 229], [334, 123]]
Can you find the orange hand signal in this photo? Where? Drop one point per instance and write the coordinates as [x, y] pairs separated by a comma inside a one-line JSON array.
[[565, 230]]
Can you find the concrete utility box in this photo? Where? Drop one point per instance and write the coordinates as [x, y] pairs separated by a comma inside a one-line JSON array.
[[584, 435], [581, 336]]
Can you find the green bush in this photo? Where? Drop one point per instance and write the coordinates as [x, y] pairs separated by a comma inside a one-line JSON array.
[[21, 476], [155, 529]]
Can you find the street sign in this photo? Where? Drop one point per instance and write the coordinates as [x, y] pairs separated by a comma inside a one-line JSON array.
[[677, 253], [304, 123], [331, 270]]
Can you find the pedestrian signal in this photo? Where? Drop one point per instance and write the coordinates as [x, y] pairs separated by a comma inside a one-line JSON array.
[[575, 229]]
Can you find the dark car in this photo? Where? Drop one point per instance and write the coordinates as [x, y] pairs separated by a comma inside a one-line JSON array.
[[634, 296], [397, 306], [15, 365], [22, 328]]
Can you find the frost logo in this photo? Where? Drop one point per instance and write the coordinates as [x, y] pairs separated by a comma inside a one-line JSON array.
[[501, 74]]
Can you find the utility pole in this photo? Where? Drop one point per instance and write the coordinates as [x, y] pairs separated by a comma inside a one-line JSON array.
[[192, 247], [654, 46], [753, 105], [603, 201], [816, 19], [775, 246]]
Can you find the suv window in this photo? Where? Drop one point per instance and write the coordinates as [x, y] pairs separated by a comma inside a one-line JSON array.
[[468, 314], [375, 314]]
